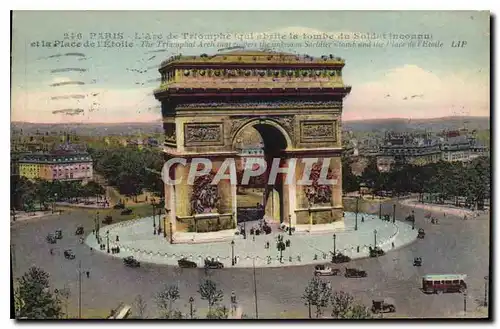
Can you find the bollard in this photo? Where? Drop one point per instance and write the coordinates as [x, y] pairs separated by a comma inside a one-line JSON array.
[[357, 249]]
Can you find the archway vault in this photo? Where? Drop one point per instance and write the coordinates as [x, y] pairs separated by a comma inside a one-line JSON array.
[[274, 135]]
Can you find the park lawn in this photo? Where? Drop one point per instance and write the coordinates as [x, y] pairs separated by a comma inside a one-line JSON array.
[[248, 200], [138, 211]]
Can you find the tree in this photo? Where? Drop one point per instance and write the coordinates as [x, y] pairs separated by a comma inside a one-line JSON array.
[[209, 292], [140, 306], [166, 298], [34, 296], [218, 313], [345, 307], [317, 294]]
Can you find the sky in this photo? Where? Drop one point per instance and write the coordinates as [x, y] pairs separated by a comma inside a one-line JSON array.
[[443, 81]]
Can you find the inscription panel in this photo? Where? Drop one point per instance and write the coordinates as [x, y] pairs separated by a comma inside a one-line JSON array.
[[318, 131], [203, 134]]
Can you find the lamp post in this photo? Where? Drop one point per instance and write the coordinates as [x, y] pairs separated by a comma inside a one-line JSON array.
[[232, 252], [107, 239], [334, 244], [98, 228], [191, 300], [154, 219], [394, 213], [465, 303], [380, 210], [289, 224], [413, 221], [486, 291], [375, 238], [356, 218]]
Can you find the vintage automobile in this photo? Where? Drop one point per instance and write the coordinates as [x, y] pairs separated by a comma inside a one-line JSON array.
[[107, 220], [383, 305], [51, 239], [58, 234], [212, 263], [119, 206], [340, 258], [417, 261], [130, 261], [68, 254], [434, 220], [184, 263], [377, 251], [79, 230], [355, 273], [386, 218], [127, 211], [421, 233], [325, 270], [266, 228]]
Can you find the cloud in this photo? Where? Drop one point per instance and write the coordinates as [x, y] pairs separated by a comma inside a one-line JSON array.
[[434, 95]]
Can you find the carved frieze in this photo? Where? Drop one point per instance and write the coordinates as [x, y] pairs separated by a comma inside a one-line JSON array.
[[200, 134], [263, 105], [318, 131]]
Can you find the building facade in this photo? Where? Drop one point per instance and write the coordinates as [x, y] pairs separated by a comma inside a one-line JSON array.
[[61, 166]]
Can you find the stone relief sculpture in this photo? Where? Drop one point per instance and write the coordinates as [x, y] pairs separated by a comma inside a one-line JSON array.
[[318, 193], [203, 133], [205, 197]]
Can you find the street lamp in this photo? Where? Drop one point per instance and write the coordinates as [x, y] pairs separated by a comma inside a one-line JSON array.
[[486, 291], [289, 224], [107, 238], [380, 210], [375, 238], [334, 244], [154, 219], [191, 301], [232, 252], [394, 213], [356, 218], [465, 303]]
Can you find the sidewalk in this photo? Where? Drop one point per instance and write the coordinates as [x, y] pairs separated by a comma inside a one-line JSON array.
[[448, 209], [136, 239], [22, 216]]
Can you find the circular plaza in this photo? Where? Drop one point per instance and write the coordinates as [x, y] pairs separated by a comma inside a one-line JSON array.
[[136, 238]]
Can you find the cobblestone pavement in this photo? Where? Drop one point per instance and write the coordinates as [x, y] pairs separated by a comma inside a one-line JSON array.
[[136, 239], [453, 246]]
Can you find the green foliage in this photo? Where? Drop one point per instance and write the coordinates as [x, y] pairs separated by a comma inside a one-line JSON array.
[[209, 292], [34, 299], [317, 294], [218, 313], [344, 306]]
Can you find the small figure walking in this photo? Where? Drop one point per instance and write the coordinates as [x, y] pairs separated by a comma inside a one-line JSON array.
[[233, 302], [51, 251], [88, 274]]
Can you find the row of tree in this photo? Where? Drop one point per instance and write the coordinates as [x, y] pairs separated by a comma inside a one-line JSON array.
[[28, 195], [129, 169], [446, 180]]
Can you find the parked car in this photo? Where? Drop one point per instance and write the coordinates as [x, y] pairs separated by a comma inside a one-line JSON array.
[[417, 261], [51, 239], [58, 234], [79, 230], [119, 206], [355, 273], [421, 233], [340, 258], [68, 254], [127, 211], [212, 263], [377, 251], [383, 305], [184, 263], [386, 218], [130, 261], [267, 229], [107, 220], [325, 270]]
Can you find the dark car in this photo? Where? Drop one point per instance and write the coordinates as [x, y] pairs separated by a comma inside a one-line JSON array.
[[127, 211], [107, 220], [340, 258], [58, 234], [130, 261], [417, 261], [212, 263], [79, 230], [377, 251], [355, 273], [383, 305], [184, 263], [51, 239], [421, 233], [68, 254], [119, 206]]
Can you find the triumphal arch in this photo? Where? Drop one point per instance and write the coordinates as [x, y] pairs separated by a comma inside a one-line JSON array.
[[294, 102]]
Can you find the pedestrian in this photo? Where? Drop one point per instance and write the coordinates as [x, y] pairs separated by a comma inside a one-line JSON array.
[[117, 238], [362, 219], [91, 250], [392, 244], [51, 251], [88, 274]]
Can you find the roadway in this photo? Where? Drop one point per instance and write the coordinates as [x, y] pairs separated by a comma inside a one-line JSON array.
[[453, 246]]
